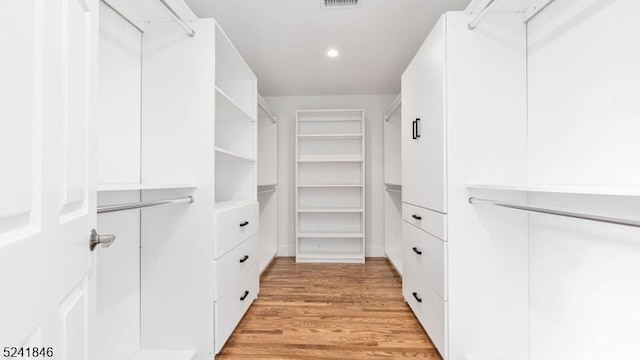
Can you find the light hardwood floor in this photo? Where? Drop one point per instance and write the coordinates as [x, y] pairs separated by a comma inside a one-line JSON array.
[[329, 312]]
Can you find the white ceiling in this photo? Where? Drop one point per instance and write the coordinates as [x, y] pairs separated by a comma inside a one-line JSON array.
[[285, 41]]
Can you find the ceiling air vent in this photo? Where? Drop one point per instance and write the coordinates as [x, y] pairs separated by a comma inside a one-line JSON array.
[[335, 4]]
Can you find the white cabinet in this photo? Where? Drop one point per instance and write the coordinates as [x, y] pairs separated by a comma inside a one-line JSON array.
[[330, 200], [423, 124], [463, 103], [236, 181]]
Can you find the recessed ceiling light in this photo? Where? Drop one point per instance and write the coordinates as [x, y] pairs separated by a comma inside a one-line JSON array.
[[332, 53]]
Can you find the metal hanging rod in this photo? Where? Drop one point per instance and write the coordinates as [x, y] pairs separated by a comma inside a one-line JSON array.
[[177, 18], [485, 10], [264, 106], [123, 16], [392, 108], [570, 214], [146, 204]]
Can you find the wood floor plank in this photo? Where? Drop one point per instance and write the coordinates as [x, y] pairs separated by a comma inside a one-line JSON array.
[[329, 312]]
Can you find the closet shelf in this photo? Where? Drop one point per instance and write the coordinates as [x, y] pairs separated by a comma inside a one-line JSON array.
[[267, 186], [137, 187], [232, 204], [330, 136], [331, 119], [227, 156], [334, 210], [331, 186], [330, 160], [227, 110], [163, 355], [632, 191], [330, 235]]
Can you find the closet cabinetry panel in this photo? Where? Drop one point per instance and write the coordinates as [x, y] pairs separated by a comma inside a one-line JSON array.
[[432, 222], [234, 263], [233, 226], [428, 254], [463, 119], [423, 125]]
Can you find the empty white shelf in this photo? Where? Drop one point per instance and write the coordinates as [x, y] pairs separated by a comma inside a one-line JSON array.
[[330, 160], [333, 210], [227, 156], [228, 110], [163, 355], [232, 204], [135, 187], [563, 189], [394, 184], [330, 136], [331, 186], [330, 235]]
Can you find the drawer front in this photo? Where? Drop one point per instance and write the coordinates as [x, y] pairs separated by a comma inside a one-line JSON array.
[[230, 267], [429, 308], [428, 254], [232, 306], [430, 221], [233, 226]]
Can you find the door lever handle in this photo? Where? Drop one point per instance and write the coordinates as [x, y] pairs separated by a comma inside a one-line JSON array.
[[104, 240]]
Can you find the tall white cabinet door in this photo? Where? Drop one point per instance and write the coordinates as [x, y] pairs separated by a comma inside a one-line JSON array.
[[424, 129], [409, 145], [47, 187]]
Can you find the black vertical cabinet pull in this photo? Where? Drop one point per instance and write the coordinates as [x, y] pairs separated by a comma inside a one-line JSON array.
[[246, 293], [417, 128], [244, 258], [415, 295], [413, 130]]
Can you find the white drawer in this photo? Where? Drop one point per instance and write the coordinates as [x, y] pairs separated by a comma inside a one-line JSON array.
[[230, 266], [428, 254], [232, 305], [429, 308], [433, 222], [233, 226]]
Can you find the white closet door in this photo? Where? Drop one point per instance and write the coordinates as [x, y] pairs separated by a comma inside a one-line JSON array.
[[424, 126], [410, 156], [47, 187]]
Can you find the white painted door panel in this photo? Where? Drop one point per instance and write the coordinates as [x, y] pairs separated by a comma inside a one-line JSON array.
[[47, 191], [423, 124]]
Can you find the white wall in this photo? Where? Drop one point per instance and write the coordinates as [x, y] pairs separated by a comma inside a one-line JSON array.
[[584, 121], [285, 109], [116, 328]]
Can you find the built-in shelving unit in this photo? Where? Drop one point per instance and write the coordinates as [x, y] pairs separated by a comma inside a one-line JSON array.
[[330, 186], [236, 217], [393, 184], [235, 125]]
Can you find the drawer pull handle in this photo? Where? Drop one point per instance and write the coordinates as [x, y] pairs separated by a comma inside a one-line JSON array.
[[415, 295], [415, 250], [417, 217], [244, 258], [246, 293], [244, 224]]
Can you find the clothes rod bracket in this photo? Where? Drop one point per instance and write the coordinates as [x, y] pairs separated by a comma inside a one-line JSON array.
[[177, 18], [570, 214], [485, 10], [146, 204]]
